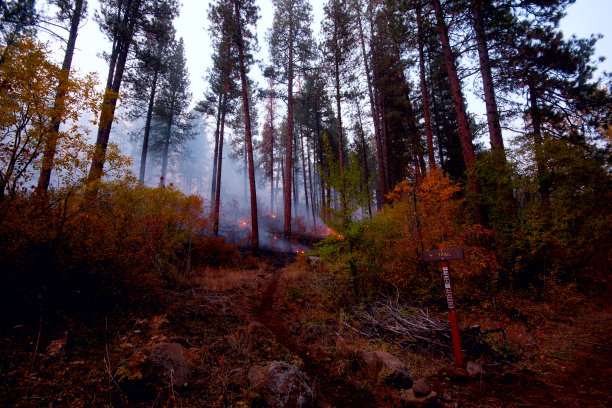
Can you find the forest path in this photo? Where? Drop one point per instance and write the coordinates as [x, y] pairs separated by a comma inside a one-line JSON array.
[[330, 389]]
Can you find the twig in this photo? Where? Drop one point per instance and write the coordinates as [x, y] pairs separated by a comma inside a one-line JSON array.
[[593, 344], [33, 357]]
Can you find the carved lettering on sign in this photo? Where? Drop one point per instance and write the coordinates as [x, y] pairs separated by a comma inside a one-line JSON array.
[[447, 287], [443, 254]]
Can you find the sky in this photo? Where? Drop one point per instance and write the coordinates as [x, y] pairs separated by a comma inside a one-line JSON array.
[[584, 18]]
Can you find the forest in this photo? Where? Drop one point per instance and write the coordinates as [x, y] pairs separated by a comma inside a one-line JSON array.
[[264, 244]]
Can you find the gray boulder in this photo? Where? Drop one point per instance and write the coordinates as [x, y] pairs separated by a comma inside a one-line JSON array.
[[388, 369], [284, 386], [171, 357]]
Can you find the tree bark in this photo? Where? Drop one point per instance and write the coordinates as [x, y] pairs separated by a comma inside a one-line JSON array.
[[467, 147], [213, 187], [536, 123], [495, 133], [162, 180], [145, 141], [375, 116], [365, 160], [424, 97], [289, 142], [219, 167], [247, 126], [111, 94], [304, 175], [51, 145]]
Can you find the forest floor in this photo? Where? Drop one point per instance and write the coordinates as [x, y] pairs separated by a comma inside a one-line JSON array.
[[230, 320]]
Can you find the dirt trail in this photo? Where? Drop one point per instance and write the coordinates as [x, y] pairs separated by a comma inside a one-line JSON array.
[[331, 389]]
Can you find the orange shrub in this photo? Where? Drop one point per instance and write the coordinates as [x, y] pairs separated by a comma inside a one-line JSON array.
[[423, 217]]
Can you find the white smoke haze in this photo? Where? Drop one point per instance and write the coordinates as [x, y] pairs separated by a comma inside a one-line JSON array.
[[190, 169]]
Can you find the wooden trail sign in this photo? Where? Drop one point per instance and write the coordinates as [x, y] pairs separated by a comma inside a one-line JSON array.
[[444, 255]]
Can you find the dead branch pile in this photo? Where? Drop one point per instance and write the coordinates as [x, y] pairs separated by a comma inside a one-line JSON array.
[[405, 325]]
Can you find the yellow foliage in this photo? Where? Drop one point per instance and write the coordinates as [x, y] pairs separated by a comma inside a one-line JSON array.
[[29, 109]]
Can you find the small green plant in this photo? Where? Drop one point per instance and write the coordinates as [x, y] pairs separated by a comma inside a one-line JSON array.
[[295, 294]]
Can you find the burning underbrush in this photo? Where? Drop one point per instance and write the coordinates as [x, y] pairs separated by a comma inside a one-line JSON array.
[[304, 233]]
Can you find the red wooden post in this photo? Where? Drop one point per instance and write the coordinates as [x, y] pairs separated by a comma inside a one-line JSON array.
[[452, 315], [444, 255]]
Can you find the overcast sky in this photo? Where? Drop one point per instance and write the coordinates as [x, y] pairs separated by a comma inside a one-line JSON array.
[[585, 17]]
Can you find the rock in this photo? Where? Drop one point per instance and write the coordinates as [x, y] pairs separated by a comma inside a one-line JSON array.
[[320, 333], [474, 370], [447, 397], [171, 357], [421, 388], [285, 386], [454, 372], [408, 399], [256, 376], [388, 369]]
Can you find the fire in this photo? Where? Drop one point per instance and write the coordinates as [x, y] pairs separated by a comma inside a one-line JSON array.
[[273, 215], [243, 223], [275, 237]]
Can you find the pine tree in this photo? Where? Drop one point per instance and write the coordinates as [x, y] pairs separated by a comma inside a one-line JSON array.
[[223, 91], [465, 134], [16, 18], [120, 20], [170, 112], [152, 59], [291, 43], [244, 41]]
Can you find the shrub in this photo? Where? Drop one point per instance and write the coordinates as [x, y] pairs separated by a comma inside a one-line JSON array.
[[132, 241], [386, 250]]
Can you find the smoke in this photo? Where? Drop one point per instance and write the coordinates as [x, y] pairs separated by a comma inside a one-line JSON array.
[[190, 169]]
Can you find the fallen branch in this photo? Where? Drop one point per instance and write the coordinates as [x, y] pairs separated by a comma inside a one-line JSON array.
[[405, 325]]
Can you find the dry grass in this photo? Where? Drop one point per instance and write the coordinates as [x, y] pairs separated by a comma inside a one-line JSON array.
[[224, 279]]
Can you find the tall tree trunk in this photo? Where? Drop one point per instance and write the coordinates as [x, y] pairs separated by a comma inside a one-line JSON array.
[[213, 186], [312, 197], [219, 167], [536, 123], [247, 126], [426, 113], [272, 159], [289, 143], [415, 136], [365, 159], [495, 133], [295, 190], [385, 143], [319, 154], [51, 145], [162, 180], [304, 172], [376, 117], [145, 141], [467, 147], [111, 93]]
